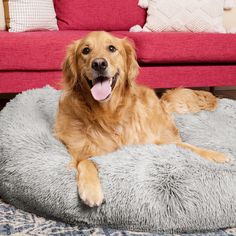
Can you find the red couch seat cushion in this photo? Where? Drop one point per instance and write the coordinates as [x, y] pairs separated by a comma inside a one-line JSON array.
[[98, 15], [43, 50], [155, 77], [46, 50], [179, 47]]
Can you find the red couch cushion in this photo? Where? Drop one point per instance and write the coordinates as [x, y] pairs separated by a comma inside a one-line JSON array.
[[35, 50], [98, 15], [155, 77], [179, 47], [46, 50]]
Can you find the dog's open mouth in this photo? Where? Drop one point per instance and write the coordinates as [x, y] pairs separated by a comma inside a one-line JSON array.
[[101, 87]]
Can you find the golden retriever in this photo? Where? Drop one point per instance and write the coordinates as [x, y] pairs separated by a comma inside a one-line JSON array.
[[102, 108]]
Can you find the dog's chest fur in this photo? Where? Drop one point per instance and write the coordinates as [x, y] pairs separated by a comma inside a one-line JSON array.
[[140, 124], [91, 133]]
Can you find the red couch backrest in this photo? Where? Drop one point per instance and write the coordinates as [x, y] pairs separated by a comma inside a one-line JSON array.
[[98, 14]]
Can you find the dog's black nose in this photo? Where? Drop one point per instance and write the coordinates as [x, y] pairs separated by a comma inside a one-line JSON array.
[[99, 64]]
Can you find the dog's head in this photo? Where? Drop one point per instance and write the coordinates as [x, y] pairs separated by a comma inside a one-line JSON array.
[[100, 65]]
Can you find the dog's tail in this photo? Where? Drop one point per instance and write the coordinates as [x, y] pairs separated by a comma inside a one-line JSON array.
[[183, 100]]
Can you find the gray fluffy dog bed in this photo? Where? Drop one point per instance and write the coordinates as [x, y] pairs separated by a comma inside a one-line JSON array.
[[147, 187]]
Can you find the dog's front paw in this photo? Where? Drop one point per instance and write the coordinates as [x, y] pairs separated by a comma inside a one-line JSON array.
[[90, 192]]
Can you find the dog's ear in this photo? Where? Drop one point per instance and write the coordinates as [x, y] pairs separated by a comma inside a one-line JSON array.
[[69, 68], [132, 64]]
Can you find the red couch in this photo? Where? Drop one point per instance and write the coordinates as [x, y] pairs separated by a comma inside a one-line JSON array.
[[33, 59]]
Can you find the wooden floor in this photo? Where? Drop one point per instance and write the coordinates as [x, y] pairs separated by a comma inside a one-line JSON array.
[[226, 94], [4, 98]]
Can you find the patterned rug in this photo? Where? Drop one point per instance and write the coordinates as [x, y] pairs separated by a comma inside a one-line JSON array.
[[17, 222]]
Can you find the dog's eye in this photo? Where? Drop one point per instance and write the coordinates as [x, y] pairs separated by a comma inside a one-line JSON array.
[[86, 50], [112, 48]]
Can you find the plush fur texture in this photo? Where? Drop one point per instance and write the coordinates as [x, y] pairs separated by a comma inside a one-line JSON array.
[[146, 187], [102, 108]]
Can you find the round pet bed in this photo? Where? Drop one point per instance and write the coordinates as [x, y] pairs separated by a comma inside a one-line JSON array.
[[146, 187]]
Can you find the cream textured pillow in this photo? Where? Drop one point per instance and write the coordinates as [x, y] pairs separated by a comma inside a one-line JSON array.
[[230, 19], [184, 15], [2, 17], [30, 15]]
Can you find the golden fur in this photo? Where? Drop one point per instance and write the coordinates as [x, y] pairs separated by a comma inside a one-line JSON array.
[[133, 114]]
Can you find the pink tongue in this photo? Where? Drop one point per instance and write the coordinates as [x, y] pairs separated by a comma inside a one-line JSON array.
[[101, 90]]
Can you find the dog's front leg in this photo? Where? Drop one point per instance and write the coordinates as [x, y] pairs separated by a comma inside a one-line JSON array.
[[88, 182], [89, 185]]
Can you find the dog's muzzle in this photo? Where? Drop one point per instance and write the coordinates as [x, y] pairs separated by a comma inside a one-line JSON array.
[[102, 86]]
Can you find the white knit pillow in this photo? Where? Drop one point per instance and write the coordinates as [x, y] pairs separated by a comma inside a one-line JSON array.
[[31, 15], [230, 19], [183, 15], [2, 18]]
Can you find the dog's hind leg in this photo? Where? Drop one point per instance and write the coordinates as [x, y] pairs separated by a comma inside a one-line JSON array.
[[183, 100], [205, 153], [215, 156]]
